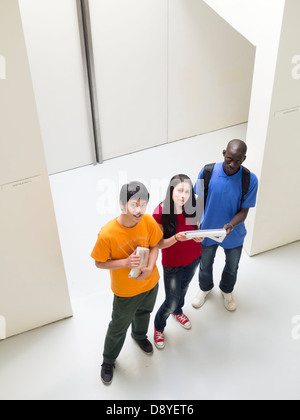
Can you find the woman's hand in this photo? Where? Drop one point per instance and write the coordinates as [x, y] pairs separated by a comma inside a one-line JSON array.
[[181, 237], [198, 240]]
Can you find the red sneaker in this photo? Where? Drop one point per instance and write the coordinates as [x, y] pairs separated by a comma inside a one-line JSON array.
[[159, 339], [183, 321]]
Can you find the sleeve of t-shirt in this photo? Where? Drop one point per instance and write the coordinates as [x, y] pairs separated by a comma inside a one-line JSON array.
[[250, 197], [155, 233], [199, 185], [102, 249]]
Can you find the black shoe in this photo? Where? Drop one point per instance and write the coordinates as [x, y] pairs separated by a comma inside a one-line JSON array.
[[144, 344], [107, 373]]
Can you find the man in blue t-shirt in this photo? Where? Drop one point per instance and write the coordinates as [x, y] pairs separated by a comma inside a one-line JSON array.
[[225, 209]]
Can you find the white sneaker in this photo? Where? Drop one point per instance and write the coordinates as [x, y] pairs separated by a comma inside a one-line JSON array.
[[229, 302], [200, 299]]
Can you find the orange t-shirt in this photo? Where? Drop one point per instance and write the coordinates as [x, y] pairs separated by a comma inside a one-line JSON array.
[[116, 242]]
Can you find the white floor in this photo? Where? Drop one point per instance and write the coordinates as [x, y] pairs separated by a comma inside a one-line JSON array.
[[251, 354]]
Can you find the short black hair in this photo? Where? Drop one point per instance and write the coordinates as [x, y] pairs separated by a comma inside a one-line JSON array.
[[134, 189]]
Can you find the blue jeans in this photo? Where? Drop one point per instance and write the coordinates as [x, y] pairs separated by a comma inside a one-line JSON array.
[[229, 275], [177, 281]]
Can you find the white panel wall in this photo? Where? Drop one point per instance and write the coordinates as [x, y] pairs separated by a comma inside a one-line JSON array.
[[274, 119], [165, 70], [252, 18], [210, 71], [33, 287], [130, 51], [275, 221], [53, 42]]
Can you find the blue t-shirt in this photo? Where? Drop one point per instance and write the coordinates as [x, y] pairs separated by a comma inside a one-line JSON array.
[[224, 202]]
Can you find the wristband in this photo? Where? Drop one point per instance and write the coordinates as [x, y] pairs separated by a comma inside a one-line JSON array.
[[231, 227]]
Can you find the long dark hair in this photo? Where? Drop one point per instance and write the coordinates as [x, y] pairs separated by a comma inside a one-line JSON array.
[[169, 215]]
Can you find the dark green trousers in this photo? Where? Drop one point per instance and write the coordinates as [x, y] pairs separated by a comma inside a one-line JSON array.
[[134, 311]]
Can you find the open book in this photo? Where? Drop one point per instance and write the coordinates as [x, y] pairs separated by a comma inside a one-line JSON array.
[[217, 235], [144, 254]]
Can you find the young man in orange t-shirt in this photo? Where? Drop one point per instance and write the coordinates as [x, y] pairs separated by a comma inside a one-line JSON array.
[[115, 250]]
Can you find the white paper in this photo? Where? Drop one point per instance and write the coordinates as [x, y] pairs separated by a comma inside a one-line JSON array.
[[217, 235], [144, 254]]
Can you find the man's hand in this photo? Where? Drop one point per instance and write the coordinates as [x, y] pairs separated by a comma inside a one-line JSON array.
[[133, 261], [145, 272], [229, 228]]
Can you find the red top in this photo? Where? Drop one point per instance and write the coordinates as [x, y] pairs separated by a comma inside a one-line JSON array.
[[181, 253]]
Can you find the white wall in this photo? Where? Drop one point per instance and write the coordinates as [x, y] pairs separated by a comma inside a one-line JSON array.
[[54, 49], [166, 70], [275, 221], [274, 118], [33, 286], [210, 71], [251, 18], [130, 52]]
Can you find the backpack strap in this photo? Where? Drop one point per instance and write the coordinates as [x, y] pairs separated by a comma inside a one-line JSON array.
[[207, 172], [245, 183]]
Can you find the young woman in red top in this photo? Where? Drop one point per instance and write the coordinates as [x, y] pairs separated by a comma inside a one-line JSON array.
[[180, 256]]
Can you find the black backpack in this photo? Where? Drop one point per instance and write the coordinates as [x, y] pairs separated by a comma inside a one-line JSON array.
[[208, 169]]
